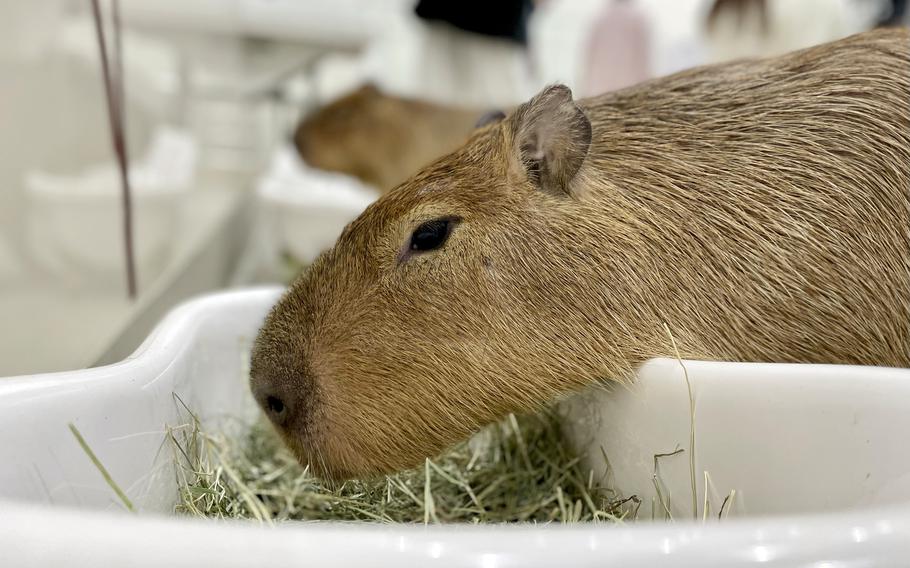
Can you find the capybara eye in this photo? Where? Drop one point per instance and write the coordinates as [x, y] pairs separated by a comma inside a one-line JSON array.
[[431, 235]]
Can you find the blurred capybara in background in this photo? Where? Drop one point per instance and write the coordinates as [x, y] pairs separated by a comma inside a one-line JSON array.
[[380, 138], [760, 209]]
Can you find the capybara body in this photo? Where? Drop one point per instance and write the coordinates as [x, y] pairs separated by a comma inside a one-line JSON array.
[[761, 210], [380, 138]]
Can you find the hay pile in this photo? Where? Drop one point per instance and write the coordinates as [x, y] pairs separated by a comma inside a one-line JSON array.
[[520, 470]]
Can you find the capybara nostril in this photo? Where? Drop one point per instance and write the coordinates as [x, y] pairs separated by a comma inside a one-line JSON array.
[[275, 407]]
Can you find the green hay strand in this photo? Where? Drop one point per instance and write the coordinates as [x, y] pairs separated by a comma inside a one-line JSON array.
[[101, 469]]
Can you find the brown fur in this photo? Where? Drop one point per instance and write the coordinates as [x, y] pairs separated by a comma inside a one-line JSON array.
[[379, 138], [760, 209]]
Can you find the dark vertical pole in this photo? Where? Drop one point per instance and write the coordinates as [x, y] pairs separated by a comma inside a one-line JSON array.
[[118, 68], [115, 115]]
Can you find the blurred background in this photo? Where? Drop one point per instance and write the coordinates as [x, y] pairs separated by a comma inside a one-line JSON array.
[[253, 130]]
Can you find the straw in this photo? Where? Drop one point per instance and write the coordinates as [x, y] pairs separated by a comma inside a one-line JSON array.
[[691, 424], [524, 470], [101, 469]]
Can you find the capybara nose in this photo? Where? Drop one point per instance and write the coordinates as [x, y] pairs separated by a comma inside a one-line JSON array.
[[303, 147]]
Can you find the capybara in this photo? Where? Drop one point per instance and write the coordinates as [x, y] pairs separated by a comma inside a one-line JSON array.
[[760, 209], [379, 138]]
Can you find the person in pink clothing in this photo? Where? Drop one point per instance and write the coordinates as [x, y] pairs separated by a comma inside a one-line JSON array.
[[619, 49]]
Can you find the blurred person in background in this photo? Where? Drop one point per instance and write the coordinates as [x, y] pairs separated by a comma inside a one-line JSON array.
[[476, 51], [896, 14], [423, 88], [619, 50], [761, 28]]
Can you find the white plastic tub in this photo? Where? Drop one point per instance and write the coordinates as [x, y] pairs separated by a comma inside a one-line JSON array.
[[80, 237], [311, 207], [788, 439], [795, 441], [300, 212], [75, 223]]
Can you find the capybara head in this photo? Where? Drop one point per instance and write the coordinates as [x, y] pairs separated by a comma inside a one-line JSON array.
[[757, 209], [432, 295], [380, 138]]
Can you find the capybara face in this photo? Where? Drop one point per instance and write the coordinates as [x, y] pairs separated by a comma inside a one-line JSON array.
[[759, 210], [326, 138], [435, 283], [379, 138]]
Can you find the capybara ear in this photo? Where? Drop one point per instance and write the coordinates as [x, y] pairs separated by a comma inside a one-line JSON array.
[[369, 88], [551, 135], [489, 118]]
